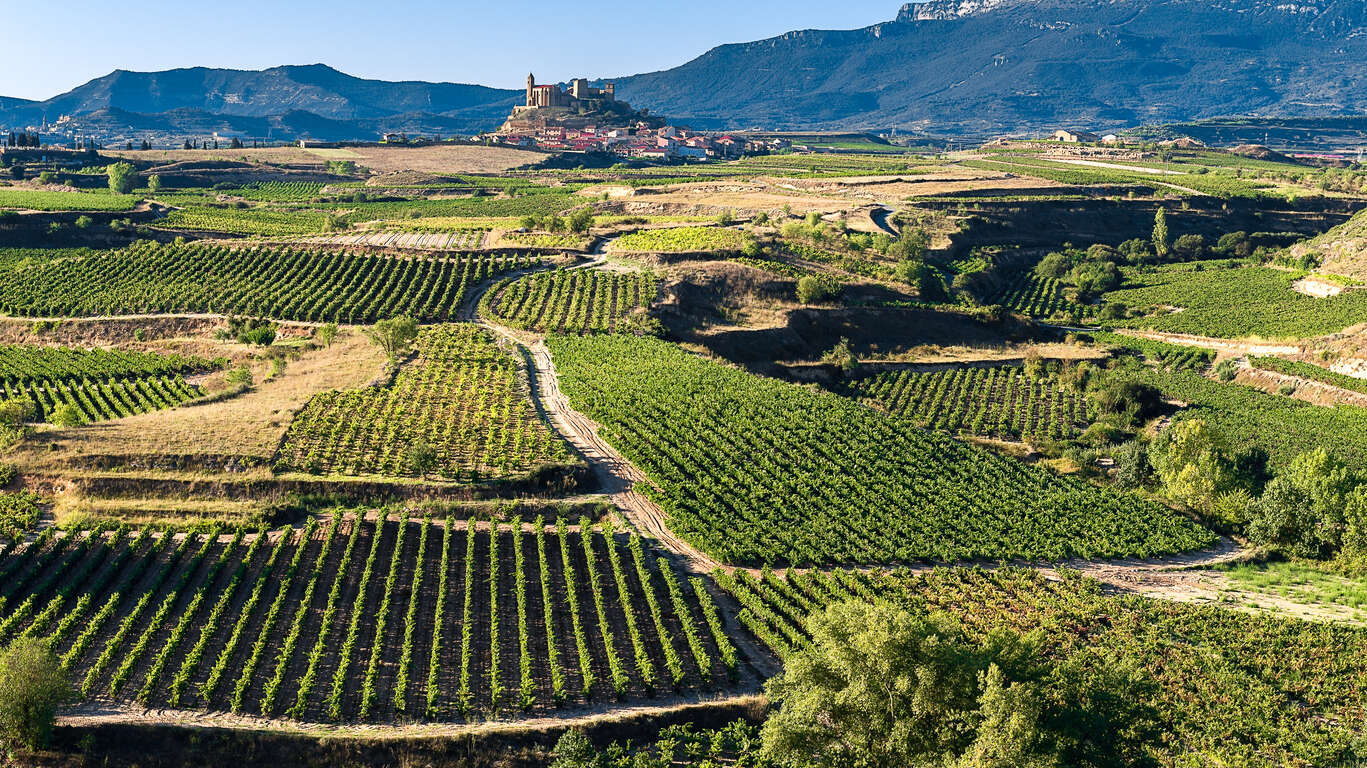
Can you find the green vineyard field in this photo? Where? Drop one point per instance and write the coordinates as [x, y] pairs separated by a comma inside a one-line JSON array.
[[460, 397], [999, 402], [753, 470], [100, 383], [680, 240], [570, 301], [1234, 301], [1039, 297], [352, 619], [277, 282]]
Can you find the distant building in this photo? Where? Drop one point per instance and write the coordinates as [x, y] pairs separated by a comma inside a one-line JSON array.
[[580, 107], [1075, 137]]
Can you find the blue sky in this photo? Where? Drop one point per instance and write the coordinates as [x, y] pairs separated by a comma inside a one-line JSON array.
[[492, 42]]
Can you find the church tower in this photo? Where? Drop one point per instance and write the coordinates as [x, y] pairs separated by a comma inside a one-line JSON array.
[[531, 83]]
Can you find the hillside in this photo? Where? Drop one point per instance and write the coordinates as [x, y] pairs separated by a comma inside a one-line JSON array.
[[1342, 250], [1006, 64], [965, 66], [315, 101]]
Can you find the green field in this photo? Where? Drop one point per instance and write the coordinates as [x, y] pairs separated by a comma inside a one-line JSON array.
[[277, 282], [753, 471], [61, 200], [1232, 688], [460, 399], [1230, 301]]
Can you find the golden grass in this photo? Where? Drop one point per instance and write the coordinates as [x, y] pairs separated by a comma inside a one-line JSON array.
[[439, 159]]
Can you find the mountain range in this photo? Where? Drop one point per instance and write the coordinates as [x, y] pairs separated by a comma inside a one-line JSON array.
[[943, 66]]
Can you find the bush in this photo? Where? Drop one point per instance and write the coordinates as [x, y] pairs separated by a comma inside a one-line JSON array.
[[32, 687], [1227, 370], [326, 333], [67, 415], [814, 289]]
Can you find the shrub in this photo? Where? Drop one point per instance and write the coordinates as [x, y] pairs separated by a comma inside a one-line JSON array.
[[326, 333], [1227, 370], [814, 289], [32, 687], [67, 415]]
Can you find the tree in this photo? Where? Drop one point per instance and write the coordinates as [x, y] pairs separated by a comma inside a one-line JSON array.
[[421, 457], [326, 333], [581, 220], [1303, 509], [67, 415], [154, 183], [32, 687], [1189, 459], [122, 177], [813, 289], [1160, 233], [394, 336], [574, 750]]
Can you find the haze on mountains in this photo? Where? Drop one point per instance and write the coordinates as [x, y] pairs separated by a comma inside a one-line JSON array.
[[944, 66]]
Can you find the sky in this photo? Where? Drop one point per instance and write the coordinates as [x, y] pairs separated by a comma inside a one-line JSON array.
[[490, 42]]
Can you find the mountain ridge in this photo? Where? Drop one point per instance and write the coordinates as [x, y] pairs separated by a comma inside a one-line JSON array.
[[945, 66]]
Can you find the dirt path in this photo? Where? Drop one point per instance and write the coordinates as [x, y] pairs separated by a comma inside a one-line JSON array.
[[1247, 347], [617, 477], [104, 712]]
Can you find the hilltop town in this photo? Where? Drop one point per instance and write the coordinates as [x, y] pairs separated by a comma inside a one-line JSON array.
[[583, 118]]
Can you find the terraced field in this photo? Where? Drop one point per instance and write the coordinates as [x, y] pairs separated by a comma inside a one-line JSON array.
[[571, 301], [352, 619], [99, 384], [460, 400], [276, 282]]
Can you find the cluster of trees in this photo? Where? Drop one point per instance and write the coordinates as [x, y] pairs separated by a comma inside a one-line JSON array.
[[23, 139], [1314, 507], [578, 222]]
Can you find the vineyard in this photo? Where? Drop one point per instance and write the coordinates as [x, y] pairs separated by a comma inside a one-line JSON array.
[[1309, 371], [269, 281], [1029, 294], [680, 240], [61, 200], [999, 402], [461, 399], [355, 619], [1168, 357], [99, 384], [754, 471], [1221, 675], [570, 300], [267, 222], [1246, 416], [1233, 302]]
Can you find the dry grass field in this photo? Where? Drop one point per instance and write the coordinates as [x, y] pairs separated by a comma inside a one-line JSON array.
[[440, 159]]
